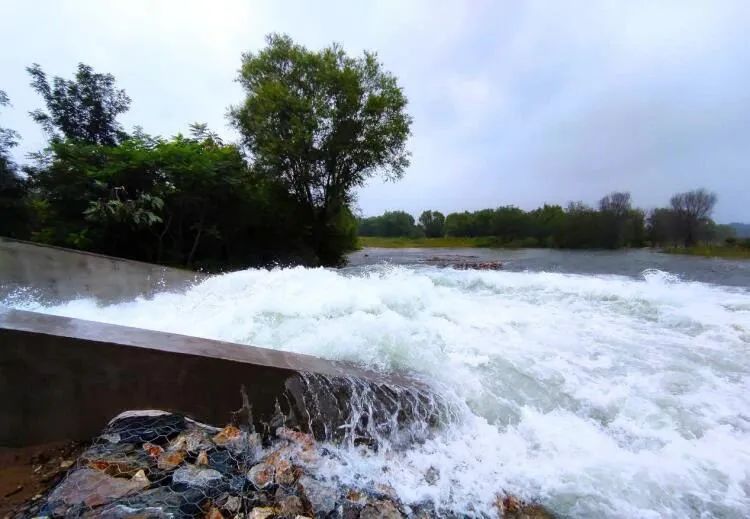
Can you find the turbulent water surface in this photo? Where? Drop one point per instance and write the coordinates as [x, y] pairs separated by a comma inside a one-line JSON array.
[[596, 384]]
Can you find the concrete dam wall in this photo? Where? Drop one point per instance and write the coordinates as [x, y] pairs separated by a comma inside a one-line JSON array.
[[64, 378]]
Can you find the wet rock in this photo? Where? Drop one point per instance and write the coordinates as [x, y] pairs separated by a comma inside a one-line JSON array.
[[232, 438], [223, 461], [261, 512], [509, 507], [170, 460], [285, 473], [146, 428], [199, 477], [290, 507], [432, 476], [380, 510], [229, 503], [261, 475], [154, 451], [121, 460], [90, 488], [304, 440], [192, 440], [322, 497], [213, 513], [141, 477], [202, 458], [157, 503]]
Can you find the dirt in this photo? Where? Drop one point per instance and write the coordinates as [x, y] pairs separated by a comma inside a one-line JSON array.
[[27, 473]]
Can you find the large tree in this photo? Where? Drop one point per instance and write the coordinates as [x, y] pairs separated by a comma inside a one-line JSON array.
[[692, 211], [83, 109], [323, 122], [12, 188], [433, 223]]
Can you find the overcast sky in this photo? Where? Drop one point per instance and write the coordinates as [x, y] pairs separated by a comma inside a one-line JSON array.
[[513, 102]]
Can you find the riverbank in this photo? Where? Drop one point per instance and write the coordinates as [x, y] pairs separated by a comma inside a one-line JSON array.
[[446, 242], [712, 251]]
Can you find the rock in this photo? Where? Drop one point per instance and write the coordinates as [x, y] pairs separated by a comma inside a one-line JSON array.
[[141, 477], [223, 461], [170, 460], [432, 476], [304, 440], [154, 451], [229, 503], [290, 506], [322, 497], [509, 507], [285, 473], [119, 460], [380, 510], [90, 488], [142, 428], [261, 475], [199, 477], [66, 464], [213, 513], [227, 436], [261, 512], [118, 511], [202, 458], [194, 439], [156, 503]]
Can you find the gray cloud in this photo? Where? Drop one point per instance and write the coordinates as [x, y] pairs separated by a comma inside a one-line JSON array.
[[514, 103]]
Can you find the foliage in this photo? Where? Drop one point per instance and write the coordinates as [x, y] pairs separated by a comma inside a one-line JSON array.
[[84, 108], [432, 223], [402, 242], [390, 223], [692, 211], [13, 210], [322, 123]]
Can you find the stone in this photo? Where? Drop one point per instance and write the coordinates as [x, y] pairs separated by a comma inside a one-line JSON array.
[[141, 477], [198, 477], [509, 507], [322, 497], [384, 509], [119, 511], [142, 427], [290, 506], [156, 503], [261, 475], [229, 503], [194, 439], [90, 488], [285, 473], [261, 512], [202, 458], [170, 460], [304, 440], [154, 451], [120, 460], [432, 476], [66, 464], [213, 513]]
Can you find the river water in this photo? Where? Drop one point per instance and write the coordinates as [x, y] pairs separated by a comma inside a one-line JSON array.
[[602, 384]]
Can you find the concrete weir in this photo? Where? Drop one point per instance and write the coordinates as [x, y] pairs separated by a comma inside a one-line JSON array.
[[63, 378]]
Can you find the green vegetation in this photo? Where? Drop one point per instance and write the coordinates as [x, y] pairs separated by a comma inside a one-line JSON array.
[[314, 126], [614, 224], [732, 248]]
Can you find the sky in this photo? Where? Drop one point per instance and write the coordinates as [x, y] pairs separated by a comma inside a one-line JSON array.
[[514, 103]]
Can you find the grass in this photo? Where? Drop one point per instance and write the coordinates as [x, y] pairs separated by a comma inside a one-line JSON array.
[[426, 243], [712, 251]]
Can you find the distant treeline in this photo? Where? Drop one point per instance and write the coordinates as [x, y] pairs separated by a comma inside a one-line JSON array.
[[615, 223], [314, 125]]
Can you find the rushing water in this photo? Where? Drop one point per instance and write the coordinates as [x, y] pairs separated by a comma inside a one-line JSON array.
[[594, 383]]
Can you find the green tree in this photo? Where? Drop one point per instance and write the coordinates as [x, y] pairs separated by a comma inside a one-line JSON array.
[[433, 223], [692, 211], [323, 123], [13, 211], [84, 108]]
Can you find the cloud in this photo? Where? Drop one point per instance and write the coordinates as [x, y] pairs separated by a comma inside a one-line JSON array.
[[514, 102]]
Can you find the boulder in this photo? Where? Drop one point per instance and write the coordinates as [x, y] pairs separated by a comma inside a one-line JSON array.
[[91, 488], [198, 477], [261, 475], [384, 509]]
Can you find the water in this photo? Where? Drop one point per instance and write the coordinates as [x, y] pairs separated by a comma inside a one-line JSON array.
[[601, 384]]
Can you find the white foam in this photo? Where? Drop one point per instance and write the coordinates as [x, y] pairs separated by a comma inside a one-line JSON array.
[[599, 395]]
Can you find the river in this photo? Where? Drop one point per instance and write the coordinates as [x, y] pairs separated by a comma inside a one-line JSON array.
[[602, 384]]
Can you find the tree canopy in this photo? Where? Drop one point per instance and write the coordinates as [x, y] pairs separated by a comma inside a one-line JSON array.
[[84, 108], [322, 122]]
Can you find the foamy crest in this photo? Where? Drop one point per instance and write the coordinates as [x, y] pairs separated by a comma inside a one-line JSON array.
[[598, 395]]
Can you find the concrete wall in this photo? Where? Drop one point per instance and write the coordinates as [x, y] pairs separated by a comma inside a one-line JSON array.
[[57, 274], [63, 379]]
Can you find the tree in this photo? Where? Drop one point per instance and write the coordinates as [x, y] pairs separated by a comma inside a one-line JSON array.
[[84, 108], [433, 223], [13, 213], [692, 211], [323, 123]]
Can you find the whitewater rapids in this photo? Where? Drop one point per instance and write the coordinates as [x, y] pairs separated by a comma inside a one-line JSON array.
[[595, 395]]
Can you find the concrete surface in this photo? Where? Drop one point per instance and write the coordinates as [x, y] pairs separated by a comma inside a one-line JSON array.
[[57, 274], [63, 379]]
